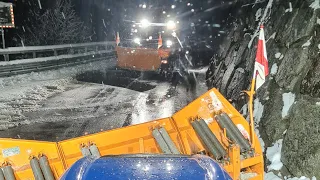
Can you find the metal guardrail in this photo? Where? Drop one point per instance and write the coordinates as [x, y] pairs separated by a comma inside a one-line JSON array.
[[28, 49], [73, 54]]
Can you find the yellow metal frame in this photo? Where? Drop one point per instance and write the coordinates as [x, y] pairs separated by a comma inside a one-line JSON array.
[[139, 139]]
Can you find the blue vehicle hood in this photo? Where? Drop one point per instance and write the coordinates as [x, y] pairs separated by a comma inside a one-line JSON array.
[[144, 166]]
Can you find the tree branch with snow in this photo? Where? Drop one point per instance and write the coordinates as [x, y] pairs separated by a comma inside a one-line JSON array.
[[58, 25]]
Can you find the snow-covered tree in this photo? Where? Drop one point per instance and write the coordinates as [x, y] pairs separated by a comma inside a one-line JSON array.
[[57, 25]]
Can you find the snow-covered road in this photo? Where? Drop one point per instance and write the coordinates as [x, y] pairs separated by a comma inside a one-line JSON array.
[[63, 108]]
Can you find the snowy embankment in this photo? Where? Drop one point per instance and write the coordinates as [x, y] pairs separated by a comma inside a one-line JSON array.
[[22, 93]]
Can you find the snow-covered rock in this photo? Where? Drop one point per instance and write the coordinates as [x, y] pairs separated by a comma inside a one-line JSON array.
[[271, 176], [277, 55], [274, 155], [302, 178], [315, 5], [262, 144], [290, 8], [258, 14], [308, 43], [258, 110], [288, 99], [274, 69]]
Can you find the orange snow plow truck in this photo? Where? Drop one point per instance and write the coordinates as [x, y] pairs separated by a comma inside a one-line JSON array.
[[143, 59], [209, 131]]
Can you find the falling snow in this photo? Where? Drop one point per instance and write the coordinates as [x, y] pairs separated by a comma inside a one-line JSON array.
[[104, 24], [39, 4], [216, 25]]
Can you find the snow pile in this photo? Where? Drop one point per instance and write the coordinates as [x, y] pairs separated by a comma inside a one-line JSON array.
[[3, 4], [318, 21], [319, 46], [315, 5], [308, 43], [257, 114], [23, 98], [290, 8], [244, 110], [273, 36], [247, 175], [55, 74], [25, 93], [281, 57], [288, 100], [258, 14], [284, 132], [301, 178], [256, 130], [271, 176], [167, 109], [258, 110], [274, 69], [274, 156], [277, 55]]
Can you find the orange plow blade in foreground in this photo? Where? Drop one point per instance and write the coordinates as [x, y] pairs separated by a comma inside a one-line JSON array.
[[234, 157]]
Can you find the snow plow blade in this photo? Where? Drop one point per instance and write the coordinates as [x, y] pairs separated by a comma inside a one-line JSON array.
[[140, 59], [139, 139]]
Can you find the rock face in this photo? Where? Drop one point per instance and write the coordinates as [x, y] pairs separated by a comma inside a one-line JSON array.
[[301, 144], [292, 31]]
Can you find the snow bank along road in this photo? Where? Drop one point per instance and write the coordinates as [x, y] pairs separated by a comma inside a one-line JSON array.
[[54, 105]]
